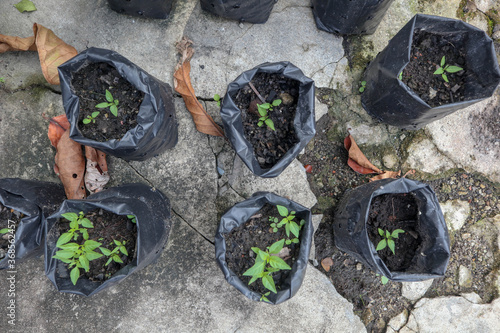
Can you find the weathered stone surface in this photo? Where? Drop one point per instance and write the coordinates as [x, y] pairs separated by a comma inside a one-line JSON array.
[[455, 213], [464, 277], [423, 156], [316, 220], [453, 314], [397, 322], [415, 290]]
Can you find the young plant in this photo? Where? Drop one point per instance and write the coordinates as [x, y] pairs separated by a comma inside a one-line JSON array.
[[217, 99], [2, 80], [91, 118], [112, 104], [287, 221], [264, 116], [132, 218], [78, 256], [446, 68], [4, 231], [363, 86], [266, 264], [383, 279], [114, 255], [289, 241], [388, 239], [75, 222]]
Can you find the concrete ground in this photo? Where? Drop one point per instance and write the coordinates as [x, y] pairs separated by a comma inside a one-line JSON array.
[[185, 290]]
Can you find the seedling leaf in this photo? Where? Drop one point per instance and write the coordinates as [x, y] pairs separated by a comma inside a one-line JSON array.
[[268, 282], [381, 245], [75, 274]]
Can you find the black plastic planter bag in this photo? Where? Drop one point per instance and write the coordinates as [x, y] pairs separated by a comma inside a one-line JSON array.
[[351, 236], [349, 17], [36, 200], [156, 128], [241, 213], [251, 11], [156, 9], [304, 122], [391, 101], [152, 211]]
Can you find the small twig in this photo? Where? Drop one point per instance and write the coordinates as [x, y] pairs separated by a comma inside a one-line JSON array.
[[52, 121], [256, 92], [393, 212], [409, 172], [256, 216]]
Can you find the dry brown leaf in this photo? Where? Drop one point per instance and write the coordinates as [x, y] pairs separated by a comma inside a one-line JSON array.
[[70, 167], [57, 126], [96, 174], [386, 174], [52, 51], [357, 160], [326, 263], [182, 84]]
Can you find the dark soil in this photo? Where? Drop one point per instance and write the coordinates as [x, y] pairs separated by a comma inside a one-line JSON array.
[[257, 233], [9, 218], [269, 146], [426, 52], [391, 212], [107, 227], [90, 84]]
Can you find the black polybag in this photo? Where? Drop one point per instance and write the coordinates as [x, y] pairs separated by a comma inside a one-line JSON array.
[[304, 122], [349, 17], [251, 11], [351, 236], [156, 9], [241, 213], [156, 128], [152, 211], [391, 101], [36, 200]]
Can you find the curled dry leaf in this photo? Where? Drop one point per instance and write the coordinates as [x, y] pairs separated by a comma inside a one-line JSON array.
[[357, 160], [52, 51], [386, 174], [70, 167], [182, 84], [57, 126], [327, 263], [96, 174], [308, 168]]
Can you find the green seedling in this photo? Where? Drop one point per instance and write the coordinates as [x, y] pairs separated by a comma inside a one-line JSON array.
[[266, 264], [363, 86], [2, 80], [263, 112], [114, 255], [290, 241], [388, 239], [287, 221], [75, 222], [112, 104], [4, 231], [91, 118], [400, 76], [383, 279], [264, 298], [78, 256], [132, 218], [446, 68], [217, 99]]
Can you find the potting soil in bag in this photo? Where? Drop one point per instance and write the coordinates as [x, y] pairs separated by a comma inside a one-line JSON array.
[[389, 100], [156, 128], [349, 17], [151, 209], [303, 123], [156, 9], [251, 11], [351, 233], [240, 214], [36, 200]]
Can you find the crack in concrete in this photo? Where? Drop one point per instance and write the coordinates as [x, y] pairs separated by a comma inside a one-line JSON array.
[[199, 233], [288, 7], [30, 87]]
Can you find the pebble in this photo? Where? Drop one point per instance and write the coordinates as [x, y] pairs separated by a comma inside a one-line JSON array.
[[286, 99], [359, 266]]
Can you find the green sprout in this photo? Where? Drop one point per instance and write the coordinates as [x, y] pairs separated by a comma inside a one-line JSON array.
[[2, 80], [289, 241], [114, 255], [287, 221], [264, 116], [400, 76], [4, 231], [266, 264], [388, 239], [112, 104], [264, 298], [363, 86], [132, 218], [75, 222], [383, 278], [446, 68], [217, 99], [78, 256], [91, 118]]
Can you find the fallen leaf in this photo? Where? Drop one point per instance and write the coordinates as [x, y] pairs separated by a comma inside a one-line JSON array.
[[409, 173], [96, 173], [57, 126], [357, 160], [25, 6], [308, 168], [70, 167], [182, 84], [326, 263], [284, 253], [52, 51], [386, 174]]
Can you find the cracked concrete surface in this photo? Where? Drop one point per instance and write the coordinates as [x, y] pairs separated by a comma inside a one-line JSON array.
[[185, 290]]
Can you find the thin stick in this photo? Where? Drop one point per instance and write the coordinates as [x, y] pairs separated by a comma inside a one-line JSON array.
[[256, 92]]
